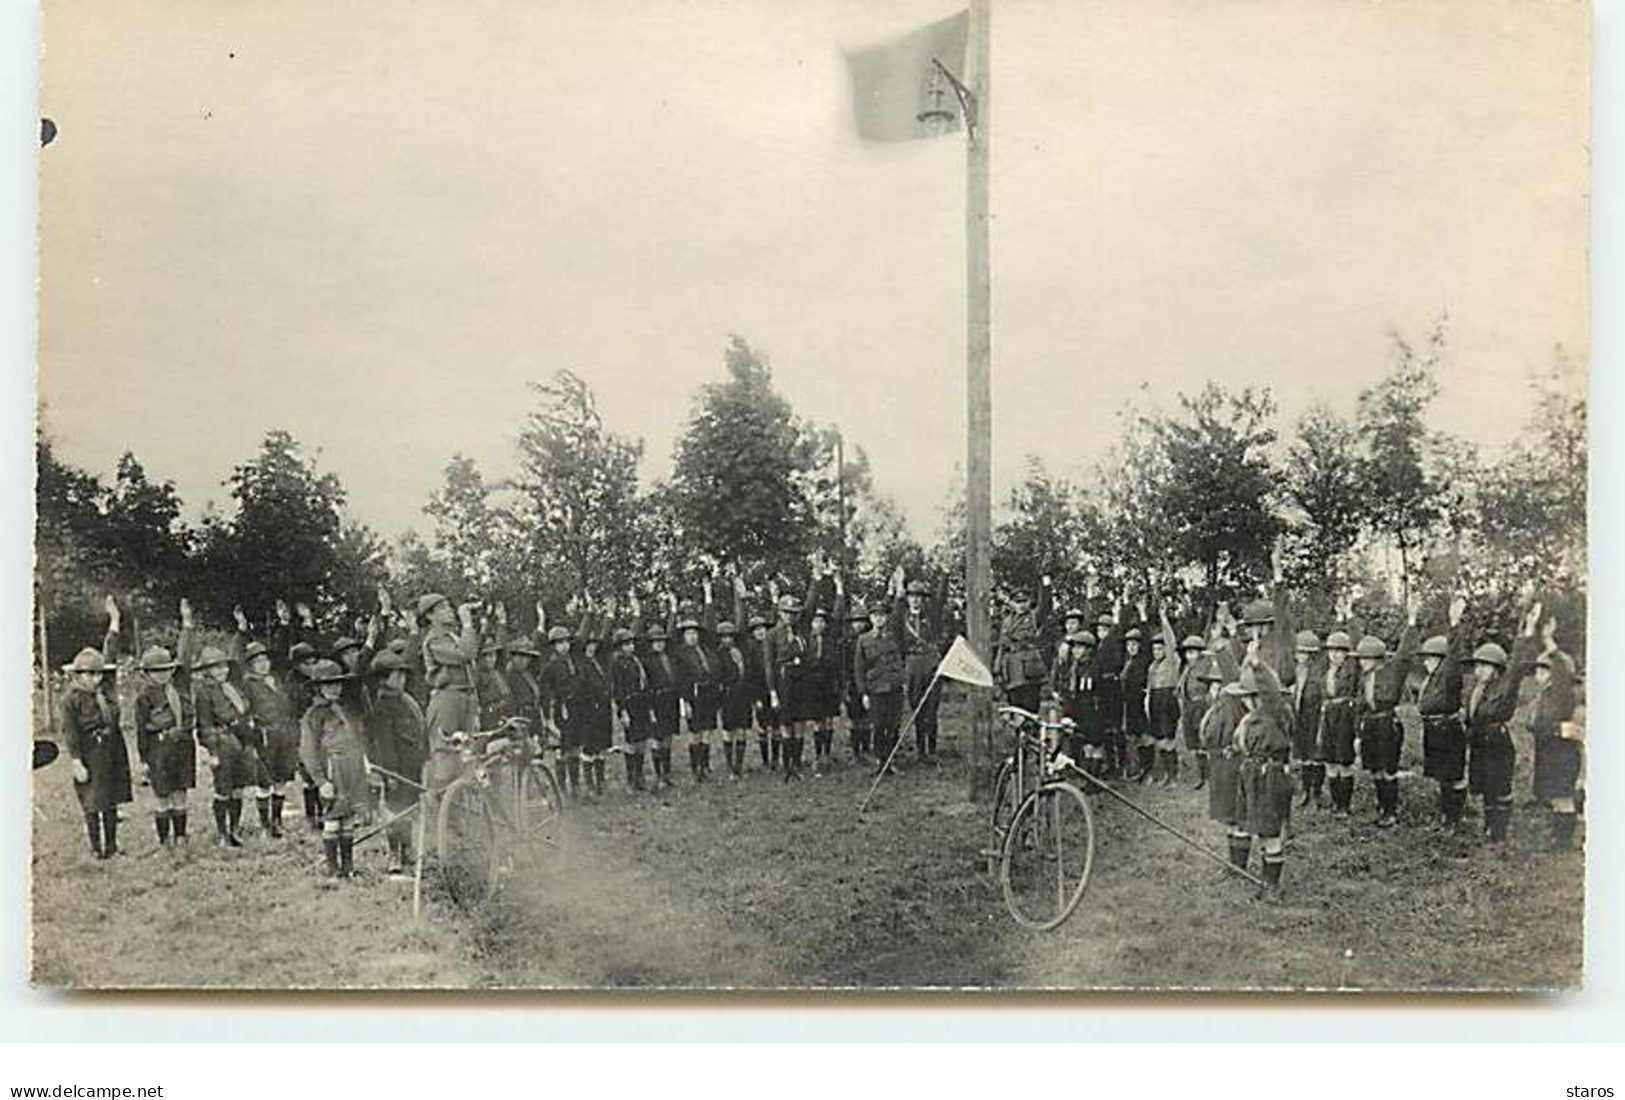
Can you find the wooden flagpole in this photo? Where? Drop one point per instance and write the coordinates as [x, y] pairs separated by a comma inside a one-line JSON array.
[[978, 388]]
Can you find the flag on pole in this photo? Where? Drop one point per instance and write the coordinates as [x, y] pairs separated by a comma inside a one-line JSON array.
[[899, 94], [961, 663]]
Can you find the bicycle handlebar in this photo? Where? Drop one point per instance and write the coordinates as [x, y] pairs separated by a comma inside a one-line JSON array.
[[1029, 716]]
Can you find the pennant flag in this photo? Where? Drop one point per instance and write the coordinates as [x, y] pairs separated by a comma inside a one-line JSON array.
[[899, 94], [962, 664]]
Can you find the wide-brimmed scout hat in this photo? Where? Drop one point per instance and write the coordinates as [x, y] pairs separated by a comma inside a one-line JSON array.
[[429, 601], [1307, 641], [328, 672], [524, 646], [1258, 612], [1074, 613], [560, 633], [1135, 634], [1371, 646], [689, 624], [759, 620], [1105, 618], [1246, 684], [156, 658], [657, 633], [820, 613], [210, 657], [857, 613], [725, 629], [918, 588], [386, 662], [302, 651], [493, 646], [1490, 654], [345, 642], [1194, 641], [1436, 646], [789, 604], [1337, 639], [255, 649], [1080, 637], [88, 660], [623, 635]]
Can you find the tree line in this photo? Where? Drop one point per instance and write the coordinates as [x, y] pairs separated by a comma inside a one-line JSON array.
[[1201, 502]]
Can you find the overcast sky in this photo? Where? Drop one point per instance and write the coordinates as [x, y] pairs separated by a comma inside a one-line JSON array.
[[371, 223]]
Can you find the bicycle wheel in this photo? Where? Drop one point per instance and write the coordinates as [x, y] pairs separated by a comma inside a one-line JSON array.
[[1049, 851], [465, 842], [1004, 800], [540, 822]]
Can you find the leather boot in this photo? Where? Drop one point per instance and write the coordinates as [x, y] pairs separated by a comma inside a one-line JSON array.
[[277, 802], [346, 845], [1496, 820], [598, 777], [263, 807], [572, 775], [1241, 849], [330, 855], [93, 830], [160, 821], [1563, 830], [1273, 866], [1147, 755], [109, 833], [1202, 766], [631, 770]]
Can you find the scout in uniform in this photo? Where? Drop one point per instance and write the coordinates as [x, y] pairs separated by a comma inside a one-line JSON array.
[[331, 746], [88, 721], [1340, 683], [919, 630], [355, 657], [273, 729], [1193, 702], [524, 688], [1492, 698], [222, 723], [1557, 759], [397, 744], [629, 693], [857, 715], [491, 686], [451, 649], [664, 703], [788, 690], [878, 671], [594, 723], [1136, 708], [561, 690], [1382, 738], [700, 687], [821, 687], [1018, 659], [1106, 681], [302, 659], [1308, 688], [1075, 691], [738, 697], [1224, 713], [759, 664], [1261, 747], [165, 729], [1162, 683], [1438, 701]]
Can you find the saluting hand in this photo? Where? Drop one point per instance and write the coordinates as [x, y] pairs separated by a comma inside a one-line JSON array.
[[241, 618], [1458, 608], [186, 612], [282, 612]]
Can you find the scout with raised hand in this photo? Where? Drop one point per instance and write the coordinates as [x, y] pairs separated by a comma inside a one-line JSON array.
[[821, 687], [1438, 701], [789, 690], [1162, 684], [1557, 750], [1018, 658], [451, 649], [699, 686], [1382, 737], [1106, 679], [522, 682], [665, 708], [738, 697], [331, 746], [1074, 689], [491, 686], [759, 664], [397, 742], [879, 673], [1492, 698], [629, 693], [1219, 721], [222, 723], [1340, 683], [88, 724], [561, 709], [919, 629], [857, 715], [1308, 689], [594, 723], [1193, 702], [1260, 747], [354, 655], [1136, 707], [272, 726], [165, 739]]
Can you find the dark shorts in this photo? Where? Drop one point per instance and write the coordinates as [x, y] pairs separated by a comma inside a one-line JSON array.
[[236, 766], [1223, 785], [590, 725], [1136, 722], [818, 702], [703, 712], [886, 712], [1491, 758], [738, 705], [172, 766], [667, 715], [767, 715], [1164, 714], [1337, 732], [1305, 737], [1024, 696], [1381, 739], [1263, 797], [281, 755], [1557, 767], [108, 762], [1444, 748]]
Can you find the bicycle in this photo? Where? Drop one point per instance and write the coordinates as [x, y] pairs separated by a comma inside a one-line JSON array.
[[505, 803], [1042, 824]]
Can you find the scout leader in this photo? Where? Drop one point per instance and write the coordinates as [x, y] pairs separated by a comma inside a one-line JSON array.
[[451, 648], [850, 633], [1136, 711], [332, 748], [223, 731], [274, 726], [88, 723], [1438, 701], [919, 630], [397, 744], [1018, 659]]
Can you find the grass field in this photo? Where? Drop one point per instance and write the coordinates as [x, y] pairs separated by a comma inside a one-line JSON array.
[[760, 884]]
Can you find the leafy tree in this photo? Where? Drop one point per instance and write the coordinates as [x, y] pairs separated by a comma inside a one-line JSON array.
[[1324, 481], [1220, 489], [579, 484], [1043, 534], [142, 537], [739, 470], [1404, 500], [1129, 536]]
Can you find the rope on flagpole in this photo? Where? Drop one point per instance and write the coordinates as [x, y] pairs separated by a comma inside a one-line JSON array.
[[884, 768]]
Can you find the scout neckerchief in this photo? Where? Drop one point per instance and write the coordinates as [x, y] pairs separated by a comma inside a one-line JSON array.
[[739, 660], [234, 696], [173, 698], [643, 673], [705, 663], [105, 709], [1472, 704], [1369, 689]]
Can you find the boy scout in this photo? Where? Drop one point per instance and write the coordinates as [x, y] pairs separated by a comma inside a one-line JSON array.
[[759, 662], [821, 688], [397, 743], [1106, 685], [1224, 713], [788, 690], [88, 721], [1136, 713], [664, 703], [1339, 684], [738, 698], [1261, 747], [629, 692], [561, 710], [857, 715], [1018, 658], [919, 630], [1491, 700], [1308, 688], [451, 649], [1162, 699], [1193, 702], [273, 727], [1438, 701], [1382, 738], [222, 721], [878, 671], [331, 746], [165, 726], [592, 702], [700, 688], [302, 658]]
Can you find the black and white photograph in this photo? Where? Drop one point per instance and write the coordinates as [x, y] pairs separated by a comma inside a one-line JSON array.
[[742, 495]]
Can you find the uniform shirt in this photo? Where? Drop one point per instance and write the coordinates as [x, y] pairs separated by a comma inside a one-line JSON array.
[[697, 670], [628, 682], [1493, 704], [449, 657], [877, 666], [163, 712], [326, 731], [85, 716], [1219, 723], [524, 694], [1259, 735], [561, 686], [1382, 688], [1307, 691], [396, 734], [1439, 693], [221, 710], [1018, 656]]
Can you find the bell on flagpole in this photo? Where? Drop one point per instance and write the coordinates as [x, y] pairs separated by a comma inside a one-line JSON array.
[[938, 117]]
